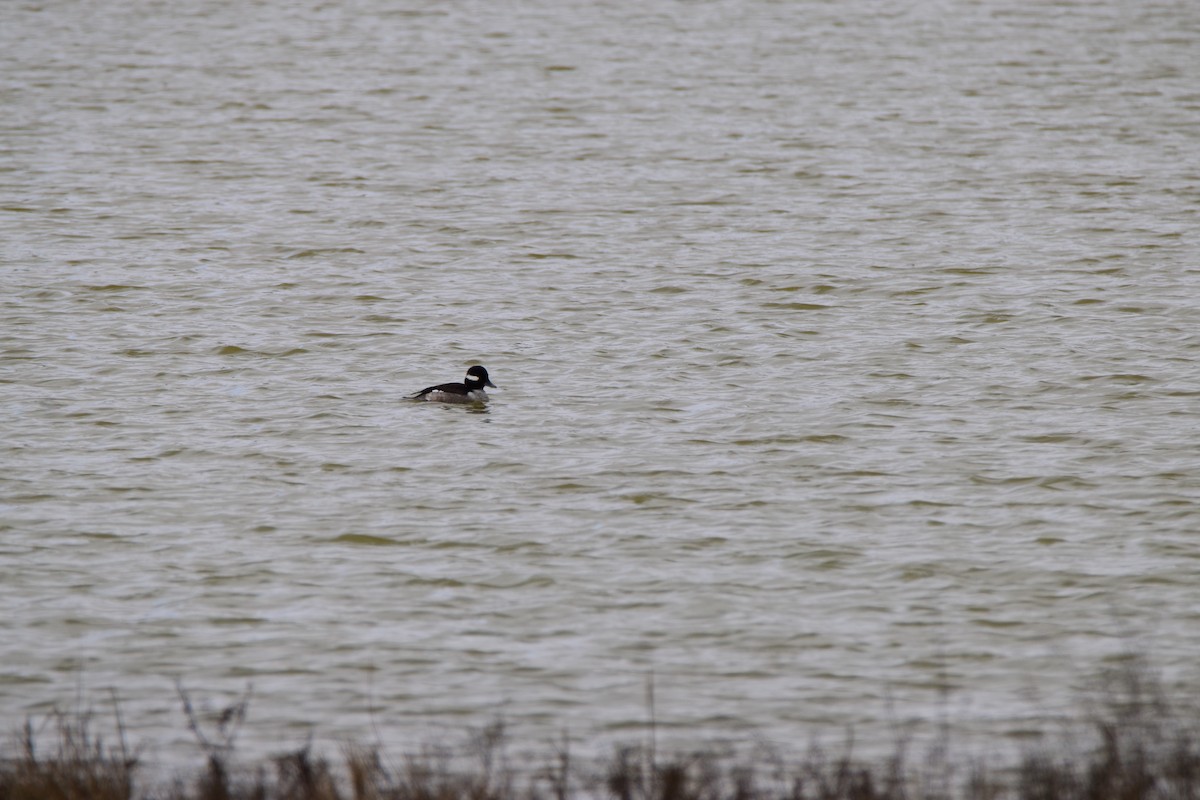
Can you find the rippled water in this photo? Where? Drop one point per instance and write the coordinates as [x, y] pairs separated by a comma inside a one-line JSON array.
[[847, 355]]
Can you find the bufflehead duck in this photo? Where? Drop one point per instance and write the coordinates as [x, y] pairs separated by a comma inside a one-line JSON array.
[[469, 391]]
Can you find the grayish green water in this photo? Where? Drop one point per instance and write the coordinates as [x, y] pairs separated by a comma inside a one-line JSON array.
[[847, 352]]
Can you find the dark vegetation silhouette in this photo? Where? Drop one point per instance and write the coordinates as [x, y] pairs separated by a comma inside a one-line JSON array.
[[1131, 742]]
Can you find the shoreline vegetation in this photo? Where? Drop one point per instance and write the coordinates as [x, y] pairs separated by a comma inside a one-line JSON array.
[[1131, 742]]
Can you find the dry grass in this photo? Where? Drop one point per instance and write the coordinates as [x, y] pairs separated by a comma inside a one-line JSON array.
[[1135, 746], [79, 767]]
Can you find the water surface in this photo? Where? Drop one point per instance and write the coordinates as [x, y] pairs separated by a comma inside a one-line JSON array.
[[847, 355]]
